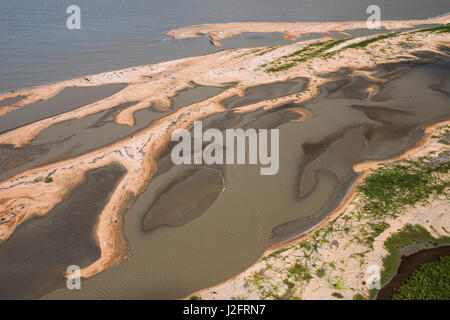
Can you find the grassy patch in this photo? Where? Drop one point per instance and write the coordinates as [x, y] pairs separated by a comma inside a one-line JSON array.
[[391, 188], [314, 50], [439, 29], [365, 43], [48, 180]]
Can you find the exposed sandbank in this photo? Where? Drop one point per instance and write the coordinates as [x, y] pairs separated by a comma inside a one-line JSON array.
[[290, 30]]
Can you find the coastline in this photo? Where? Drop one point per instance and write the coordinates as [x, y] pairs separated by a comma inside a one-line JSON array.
[[236, 287], [138, 153]]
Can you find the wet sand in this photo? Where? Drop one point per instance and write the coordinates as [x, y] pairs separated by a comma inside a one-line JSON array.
[[33, 261], [408, 265]]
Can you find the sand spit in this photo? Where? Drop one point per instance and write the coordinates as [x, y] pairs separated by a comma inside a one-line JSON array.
[[343, 261], [37, 191], [290, 30]]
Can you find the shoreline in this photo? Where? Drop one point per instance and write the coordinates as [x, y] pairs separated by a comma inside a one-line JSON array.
[[138, 153], [365, 169]]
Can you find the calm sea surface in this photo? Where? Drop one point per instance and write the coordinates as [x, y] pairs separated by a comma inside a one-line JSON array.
[[37, 48]]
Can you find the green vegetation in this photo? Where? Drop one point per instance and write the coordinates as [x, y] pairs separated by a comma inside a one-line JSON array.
[[263, 52], [439, 29], [321, 273], [392, 187], [337, 295], [365, 43], [430, 282], [358, 297], [314, 50], [408, 235], [48, 180]]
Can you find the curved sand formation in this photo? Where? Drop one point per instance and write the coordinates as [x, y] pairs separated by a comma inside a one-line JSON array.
[[31, 193]]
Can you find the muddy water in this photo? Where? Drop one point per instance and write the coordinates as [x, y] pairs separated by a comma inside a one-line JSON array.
[[34, 259], [185, 200], [75, 137], [254, 211]]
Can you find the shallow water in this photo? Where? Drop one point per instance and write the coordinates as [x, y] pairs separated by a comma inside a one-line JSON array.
[[254, 211], [67, 100], [34, 259], [266, 91]]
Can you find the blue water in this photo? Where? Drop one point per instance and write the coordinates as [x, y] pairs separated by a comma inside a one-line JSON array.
[[37, 48]]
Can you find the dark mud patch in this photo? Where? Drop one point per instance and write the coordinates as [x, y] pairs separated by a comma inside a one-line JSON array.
[[185, 199]]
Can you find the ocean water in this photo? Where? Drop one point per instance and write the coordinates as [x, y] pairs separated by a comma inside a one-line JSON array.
[[37, 48]]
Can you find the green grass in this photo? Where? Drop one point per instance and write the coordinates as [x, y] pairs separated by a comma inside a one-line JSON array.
[[314, 50], [365, 43], [391, 188], [282, 67], [48, 180], [321, 273], [358, 297], [439, 29], [430, 282]]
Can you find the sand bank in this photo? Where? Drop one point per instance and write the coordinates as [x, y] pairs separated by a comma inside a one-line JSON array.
[[290, 30]]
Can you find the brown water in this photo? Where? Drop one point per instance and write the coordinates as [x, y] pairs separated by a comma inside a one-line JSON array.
[[189, 251]]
